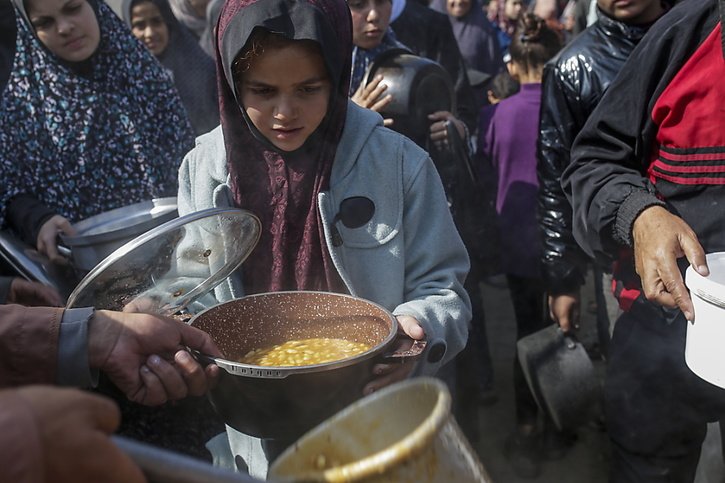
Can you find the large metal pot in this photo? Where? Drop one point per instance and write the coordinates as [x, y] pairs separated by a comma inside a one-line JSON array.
[[418, 86], [284, 402]]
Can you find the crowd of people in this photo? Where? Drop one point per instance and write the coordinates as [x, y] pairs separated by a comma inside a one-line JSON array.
[[576, 136]]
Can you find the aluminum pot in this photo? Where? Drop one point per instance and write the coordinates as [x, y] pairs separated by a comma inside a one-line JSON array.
[[284, 402], [100, 235]]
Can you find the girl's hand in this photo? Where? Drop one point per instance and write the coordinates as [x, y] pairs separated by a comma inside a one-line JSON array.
[[386, 374], [371, 97]]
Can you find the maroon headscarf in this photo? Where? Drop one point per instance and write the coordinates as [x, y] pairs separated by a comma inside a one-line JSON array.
[[282, 187]]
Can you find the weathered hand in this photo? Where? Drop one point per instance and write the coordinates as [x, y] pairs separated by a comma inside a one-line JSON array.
[[24, 292], [146, 357], [48, 235], [386, 374], [371, 97], [74, 428], [564, 310], [660, 238]]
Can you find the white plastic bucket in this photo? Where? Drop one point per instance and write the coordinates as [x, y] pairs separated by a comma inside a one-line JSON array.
[[402, 433], [704, 352]]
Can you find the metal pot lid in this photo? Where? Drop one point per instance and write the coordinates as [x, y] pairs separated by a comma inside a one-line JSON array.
[[115, 224], [167, 268]]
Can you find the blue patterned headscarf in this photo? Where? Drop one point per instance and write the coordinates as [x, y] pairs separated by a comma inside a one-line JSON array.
[[362, 58], [83, 144]]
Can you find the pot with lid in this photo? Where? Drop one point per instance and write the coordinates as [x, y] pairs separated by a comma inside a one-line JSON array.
[[176, 266], [173, 266]]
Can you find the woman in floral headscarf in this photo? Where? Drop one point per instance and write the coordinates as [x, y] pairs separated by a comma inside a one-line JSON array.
[[89, 121]]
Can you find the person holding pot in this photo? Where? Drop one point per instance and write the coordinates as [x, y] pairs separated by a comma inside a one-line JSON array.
[[645, 178], [371, 36], [48, 432], [101, 128], [292, 148]]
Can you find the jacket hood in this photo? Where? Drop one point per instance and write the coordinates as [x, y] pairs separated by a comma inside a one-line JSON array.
[[362, 122]]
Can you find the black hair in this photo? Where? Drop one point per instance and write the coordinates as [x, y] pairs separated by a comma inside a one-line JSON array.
[[503, 85], [533, 43]]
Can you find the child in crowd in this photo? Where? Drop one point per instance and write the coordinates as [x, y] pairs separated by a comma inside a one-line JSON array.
[[507, 136], [292, 149], [193, 71], [504, 15], [502, 86]]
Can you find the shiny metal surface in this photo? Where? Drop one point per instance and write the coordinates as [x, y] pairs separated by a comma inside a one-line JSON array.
[[418, 86], [171, 266], [163, 466], [99, 235], [34, 266]]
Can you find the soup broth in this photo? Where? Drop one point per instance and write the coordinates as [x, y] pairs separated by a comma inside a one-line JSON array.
[[304, 352]]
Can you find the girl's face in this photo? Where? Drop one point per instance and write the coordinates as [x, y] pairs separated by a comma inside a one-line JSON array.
[[286, 92], [68, 28], [370, 20], [458, 8], [513, 8], [149, 27]]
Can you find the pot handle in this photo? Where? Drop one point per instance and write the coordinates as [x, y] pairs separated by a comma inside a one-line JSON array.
[[63, 250], [407, 349], [201, 358]]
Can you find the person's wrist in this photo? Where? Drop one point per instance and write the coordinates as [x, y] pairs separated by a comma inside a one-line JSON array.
[[102, 336], [645, 218]]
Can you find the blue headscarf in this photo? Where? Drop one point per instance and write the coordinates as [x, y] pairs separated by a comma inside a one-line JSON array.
[[86, 143], [362, 58]]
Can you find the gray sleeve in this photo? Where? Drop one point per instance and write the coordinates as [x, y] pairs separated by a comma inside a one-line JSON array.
[[73, 366]]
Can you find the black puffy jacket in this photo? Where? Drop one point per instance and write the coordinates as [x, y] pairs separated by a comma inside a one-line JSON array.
[[574, 82]]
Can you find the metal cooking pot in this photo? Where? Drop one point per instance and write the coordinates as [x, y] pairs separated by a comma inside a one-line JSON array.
[[419, 87], [560, 375], [100, 235], [284, 402]]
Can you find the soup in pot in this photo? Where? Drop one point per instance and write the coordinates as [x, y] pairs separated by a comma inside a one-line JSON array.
[[304, 352]]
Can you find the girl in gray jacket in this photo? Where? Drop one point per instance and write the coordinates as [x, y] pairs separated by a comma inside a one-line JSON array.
[[346, 205]]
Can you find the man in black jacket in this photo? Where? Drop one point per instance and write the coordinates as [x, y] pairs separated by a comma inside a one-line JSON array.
[[574, 82], [647, 174]]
